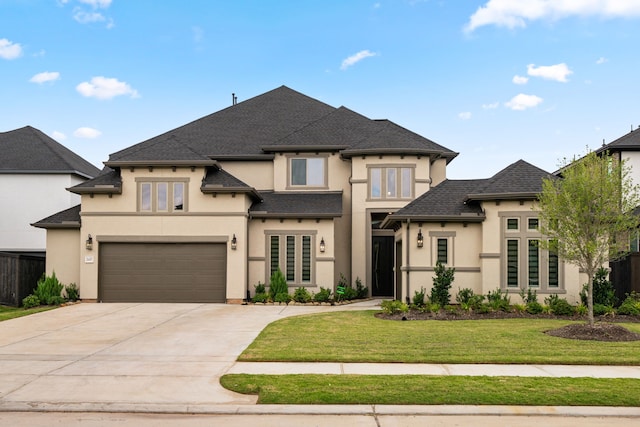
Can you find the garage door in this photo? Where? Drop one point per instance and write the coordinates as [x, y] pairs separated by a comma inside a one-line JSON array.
[[162, 272]]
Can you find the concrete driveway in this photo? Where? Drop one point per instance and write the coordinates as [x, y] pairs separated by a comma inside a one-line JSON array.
[[145, 357]]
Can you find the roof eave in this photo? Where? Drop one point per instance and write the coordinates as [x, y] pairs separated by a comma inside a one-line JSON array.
[[101, 189], [398, 151], [502, 196], [275, 215], [215, 189], [242, 157], [158, 163], [302, 148], [68, 225]]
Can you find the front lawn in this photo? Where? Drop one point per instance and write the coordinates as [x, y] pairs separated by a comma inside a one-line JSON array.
[[7, 312], [361, 337], [434, 390]]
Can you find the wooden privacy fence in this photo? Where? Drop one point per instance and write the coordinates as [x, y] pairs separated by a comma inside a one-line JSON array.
[[19, 275]]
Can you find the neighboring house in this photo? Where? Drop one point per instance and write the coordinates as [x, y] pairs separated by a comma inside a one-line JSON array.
[[206, 211], [35, 172]]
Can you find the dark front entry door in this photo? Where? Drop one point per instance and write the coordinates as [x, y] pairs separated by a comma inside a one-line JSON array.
[[382, 266]]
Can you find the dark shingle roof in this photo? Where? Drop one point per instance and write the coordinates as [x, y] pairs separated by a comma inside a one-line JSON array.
[[28, 150], [278, 120], [298, 205], [628, 142], [68, 218], [108, 182], [219, 181], [520, 180]]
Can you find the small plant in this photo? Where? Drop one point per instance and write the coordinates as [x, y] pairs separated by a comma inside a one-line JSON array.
[[277, 284], [441, 284], [602, 310], [559, 306], [261, 297], [301, 295], [534, 307], [393, 307], [451, 309], [30, 301], [418, 297], [361, 290], [603, 290], [499, 301], [49, 290], [581, 310], [72, 292], [260, 288], [282, 297], [324, 295], [468, 300], [531, 295], [631, 305], [519, 308]]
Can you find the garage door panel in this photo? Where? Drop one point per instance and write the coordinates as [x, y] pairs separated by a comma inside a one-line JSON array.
[[162, 272]]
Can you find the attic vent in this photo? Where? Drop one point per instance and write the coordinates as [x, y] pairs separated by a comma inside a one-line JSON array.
[[234, 99]]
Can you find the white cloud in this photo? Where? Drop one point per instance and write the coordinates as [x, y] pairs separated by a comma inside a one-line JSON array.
[[516, 13], [520, 80], [353, 59], [10, 50], [102, 4], [466, 115], [105, 88], [558, 72], [522, 102], [85, 132], [491, 106], [45, 77], [602, 60], [84, 17], [58, 136]]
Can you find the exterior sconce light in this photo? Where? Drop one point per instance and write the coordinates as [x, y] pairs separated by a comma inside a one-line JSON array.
[[322, 246], [420, 238], [234, 242], [89, 243]]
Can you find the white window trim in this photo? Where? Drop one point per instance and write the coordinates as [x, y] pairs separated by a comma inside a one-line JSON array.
[[325, 178]]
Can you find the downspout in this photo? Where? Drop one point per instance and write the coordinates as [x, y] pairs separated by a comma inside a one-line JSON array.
[[246, 258], [408, 268]]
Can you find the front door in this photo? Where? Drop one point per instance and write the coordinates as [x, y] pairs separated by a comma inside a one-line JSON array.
[[382, 266]]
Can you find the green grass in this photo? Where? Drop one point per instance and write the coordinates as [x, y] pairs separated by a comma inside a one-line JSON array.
[[361, 337], [435, 390], [7, 312]]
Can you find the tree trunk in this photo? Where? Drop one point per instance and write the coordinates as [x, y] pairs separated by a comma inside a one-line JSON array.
[[590, 298]]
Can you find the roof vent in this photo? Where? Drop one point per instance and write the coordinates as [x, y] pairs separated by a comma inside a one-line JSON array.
[[234, 99]]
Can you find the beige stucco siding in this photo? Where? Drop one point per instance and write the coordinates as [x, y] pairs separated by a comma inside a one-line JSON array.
[[256, 174], [63, 255]]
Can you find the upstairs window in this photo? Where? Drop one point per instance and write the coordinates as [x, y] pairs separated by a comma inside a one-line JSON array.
[[161, 196], [391, 183], [308, 172]]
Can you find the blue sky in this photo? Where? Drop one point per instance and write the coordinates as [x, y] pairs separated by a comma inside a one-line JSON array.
[[495, 80]]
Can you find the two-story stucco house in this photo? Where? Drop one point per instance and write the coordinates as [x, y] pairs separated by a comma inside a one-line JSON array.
[[206, 211], [35, 172]]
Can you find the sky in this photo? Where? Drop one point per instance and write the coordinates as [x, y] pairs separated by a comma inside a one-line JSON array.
[[494, 80]]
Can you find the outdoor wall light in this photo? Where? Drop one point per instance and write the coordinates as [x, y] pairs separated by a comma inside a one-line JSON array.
[[89, 243], [234, 242], [420, 238], [322, 247]]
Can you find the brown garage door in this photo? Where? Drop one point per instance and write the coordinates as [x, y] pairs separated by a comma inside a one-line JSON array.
[[162, 272]]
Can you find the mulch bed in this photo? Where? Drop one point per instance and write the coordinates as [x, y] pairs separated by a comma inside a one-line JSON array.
[[604, 329]]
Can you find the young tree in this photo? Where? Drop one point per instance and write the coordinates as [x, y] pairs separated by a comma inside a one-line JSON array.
[[588, 213]]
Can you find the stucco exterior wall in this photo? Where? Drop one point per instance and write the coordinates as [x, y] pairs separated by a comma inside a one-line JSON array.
[[28, 198], [257, 174], [632, 159], [63, 254]]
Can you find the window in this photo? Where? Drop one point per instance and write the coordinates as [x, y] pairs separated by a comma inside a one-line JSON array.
[[442, 251], [524, 263], [292, 254], [308, 172], [391, 182], [161, 196]]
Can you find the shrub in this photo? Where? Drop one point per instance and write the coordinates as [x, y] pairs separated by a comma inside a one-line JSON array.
[[260, 288], [261, 297], [441, 284], [602, 310], [581, 310], [49, 290], [393, 307], [301, 295], [361, 290], [282, 297], [603, 290], [30, 301], [519, 308], [499, 301], [559, 306], [631, 305], [531, 295], [418, 297], [468, 300], [277, 284], [323, 296], [72, 291], [534, 307]]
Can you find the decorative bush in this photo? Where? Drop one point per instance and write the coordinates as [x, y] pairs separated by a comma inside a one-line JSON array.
[[602, 310], [261, 297], [282, 297], [498, 301], [534, 307], [559, 306], [277, 284], [468, 300], [72, 291], [393, 307], [631, 305], [361, 290], [441, 284], [324, 295], [302, 295], [260, 288], [49, 290], [418, 297], [603, 290], [531, 295], [30, 301]]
